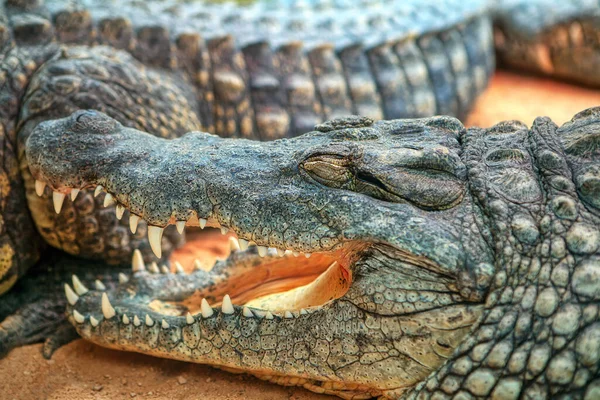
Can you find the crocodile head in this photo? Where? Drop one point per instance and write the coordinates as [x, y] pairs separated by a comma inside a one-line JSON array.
[[370, 264]]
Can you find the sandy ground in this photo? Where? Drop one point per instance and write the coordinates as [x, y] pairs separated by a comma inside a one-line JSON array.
[[82, 370]]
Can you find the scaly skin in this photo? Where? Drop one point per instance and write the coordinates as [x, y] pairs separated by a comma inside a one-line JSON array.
[[166, 69], [452, 263]]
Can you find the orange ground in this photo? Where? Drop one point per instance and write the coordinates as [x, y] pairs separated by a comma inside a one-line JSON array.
[[84, 371]]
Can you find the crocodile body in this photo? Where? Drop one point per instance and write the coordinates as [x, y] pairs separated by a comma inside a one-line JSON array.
[[397, 299]]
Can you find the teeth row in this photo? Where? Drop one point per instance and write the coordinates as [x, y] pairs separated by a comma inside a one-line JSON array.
[[155, 233], [206, 311]]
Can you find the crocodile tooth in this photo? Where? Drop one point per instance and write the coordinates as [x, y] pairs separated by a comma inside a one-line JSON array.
[[262, 251], [108, 200], [153, 268], [39, 188], [268, 315], [234, 245], [80, 289], [295, 253], [206, 309], [224, 230], [78, 317], [98, 190], [72, 298], [246, 312], [99, 285], [227, 306], [133, 222], [197, 265], [94, 321], [119, 210], [280, 252], [136, 321], [303, 311], [243, 244], [123, 278], [165, 324], [180, 226], [107, 309], [58, 199], [149, 321], [164, 269], [74, 193], [288, 314], [125, 319], [179, 268], [137, 261], [189, 319], [202, 222], [307, 255], [154, 237]]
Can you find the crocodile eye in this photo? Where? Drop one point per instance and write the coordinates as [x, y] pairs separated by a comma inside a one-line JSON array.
[[421, 182], [329, 170]]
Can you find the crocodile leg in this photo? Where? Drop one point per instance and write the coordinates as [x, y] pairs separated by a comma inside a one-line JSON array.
[[34, 310]]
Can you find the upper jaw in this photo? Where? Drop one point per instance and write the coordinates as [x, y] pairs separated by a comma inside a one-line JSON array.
[[253, 189]]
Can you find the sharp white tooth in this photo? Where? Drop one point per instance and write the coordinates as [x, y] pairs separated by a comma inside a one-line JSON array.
[[180, 226], [295, 253], [74, 193], [224, 230], [108, 200], [280, 252], [268, 315], [78, 317], [288, 314], [107, 309], [179, 268], [243, 244], [99, 285], [58, 199], [125, 319], [197, 265], [227, 306], [136, 321], [189, 319], [206, 309], [98, 190], [39, 188], [247, 312], [202, 222], [94, 321], [80, 289], [164, 324], [119, 210], [149, 321], [133, 222], [307, 255], [71, 296], [137, 261], [153, 268], [262, 251], [234, 245], [123, 278], [165, 270], [303, 311], [155, 237]]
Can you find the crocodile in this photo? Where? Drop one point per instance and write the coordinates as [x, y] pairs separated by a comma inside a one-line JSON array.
[[170, 67], [441, 261]]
